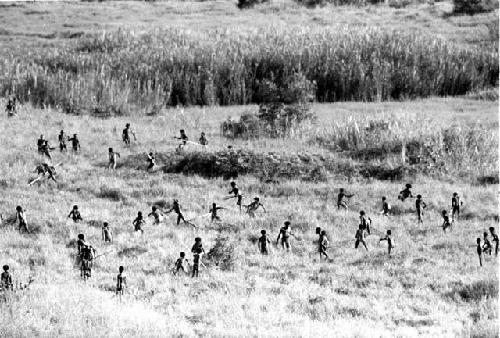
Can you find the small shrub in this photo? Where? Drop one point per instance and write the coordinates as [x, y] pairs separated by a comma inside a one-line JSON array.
[[112, 194], [476, 291], [471, 7], [243, 4], [222, 254]]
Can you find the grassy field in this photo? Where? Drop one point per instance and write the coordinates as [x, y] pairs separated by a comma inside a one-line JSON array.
[[431, 285]]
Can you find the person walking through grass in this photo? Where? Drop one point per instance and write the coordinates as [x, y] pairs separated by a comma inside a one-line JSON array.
[[420, 206], [21, 219], [75, 215], [126, 135], [113, 155], [494, 237], [388, 238], [341, 202]]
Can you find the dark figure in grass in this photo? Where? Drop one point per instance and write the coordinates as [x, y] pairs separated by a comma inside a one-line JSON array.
[[156, 213], [139, 222], [106, 233], [151, 162], [176, 207], [43, 169], [11, 107], [364, 222], [446, 220], [405, 193], [87, 254], [285, 234], [21, 219], [184, 139], [479, 250], [386, 207], [62, 141], [181, 264], [213, 212], [341, 202], [455, 206], [252, 207], [494, 238], [197, 251], [322, 244], [388, 238], [420, 206], [40, 143], [75, 215], [6, 279], [75, 143], [486, 244], [113, 158], [235, 191], [263, 243], [126, 135], [44, 148], [360, 238], [121, 281], [203, 139]]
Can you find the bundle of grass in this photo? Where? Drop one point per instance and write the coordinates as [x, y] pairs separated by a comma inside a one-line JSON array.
[[111, 193], [474, 292], [222, 254]]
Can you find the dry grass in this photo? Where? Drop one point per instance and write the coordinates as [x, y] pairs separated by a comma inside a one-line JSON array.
[[281, 295]]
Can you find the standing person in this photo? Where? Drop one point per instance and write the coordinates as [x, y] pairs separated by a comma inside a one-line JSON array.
[[284, 235], [386, 207], [75, 143], [176, 207], [87, 254], [213, 212], [252, 207], [364, 222], [6, 279], [112, 158], [11, 107], [360, 238], [323, 245], [157, 214], [181, 264], [203, 139], [40, 143], [494, 237], [389, 241], [479, 251], [121, 281], [62, 141], [151, 162], [455, 206], [446, 220], [21, 219], [183, 137], [235, 191], [340, 199], [486, 244], [75, 215], [139, 222], [420, 206], [106, 233], [405, 193], [126, 135], [197, 251], [45, 149], [263, 242]]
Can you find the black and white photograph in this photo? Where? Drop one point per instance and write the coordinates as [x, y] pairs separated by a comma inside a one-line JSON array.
[[249, 168]]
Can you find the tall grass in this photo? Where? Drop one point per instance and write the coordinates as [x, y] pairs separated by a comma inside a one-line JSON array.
[[170, 67]]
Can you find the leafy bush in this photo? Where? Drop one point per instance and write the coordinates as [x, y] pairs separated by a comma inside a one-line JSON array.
[[281, 110], [243, 4], [110, 193], [222, 254], [476, 291], [268, 166], [471, 7]]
